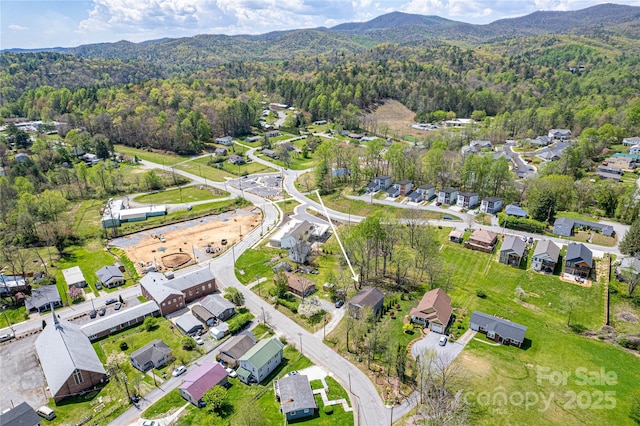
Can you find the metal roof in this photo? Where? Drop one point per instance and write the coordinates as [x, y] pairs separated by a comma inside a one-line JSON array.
[[184, 282], [154, 283], [216, 305], [73, 275], [120, 317], [262, 352], [188, 323], [62, 348], [203, 378]]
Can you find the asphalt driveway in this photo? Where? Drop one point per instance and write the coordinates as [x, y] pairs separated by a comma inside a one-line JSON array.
[[449, 352]]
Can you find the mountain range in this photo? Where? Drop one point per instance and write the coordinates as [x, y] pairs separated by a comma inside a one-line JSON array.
[[206, 50]]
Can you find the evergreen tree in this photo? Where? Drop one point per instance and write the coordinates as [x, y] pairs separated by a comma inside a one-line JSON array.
[[630, 244]]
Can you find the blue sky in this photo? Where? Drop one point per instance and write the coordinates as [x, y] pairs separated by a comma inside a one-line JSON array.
[[49, 23]]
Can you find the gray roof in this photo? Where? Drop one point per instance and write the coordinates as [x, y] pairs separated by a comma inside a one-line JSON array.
[[296, 394], [22, 415], [448, 190], [188, 322], [515, 210], [467, 194], [153, 351], [238, 345], [154, 283], [549, 248], [119, 317], [62, 348], [369, 296], [184, 282], [563, 226], [107, 273], [503, 328], [426, 186], [42, 296], [631, 263], [492, 199], [202, 312], [216, 304], [403, 182], [577, 252], [515, 244]]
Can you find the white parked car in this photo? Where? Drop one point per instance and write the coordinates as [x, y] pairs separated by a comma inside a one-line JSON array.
[[179, 370], [199, 340], [231, 372], [443, 341]]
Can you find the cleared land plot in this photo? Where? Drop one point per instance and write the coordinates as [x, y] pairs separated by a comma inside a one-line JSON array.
[[397, 118], [190, 237], [183, 195], [165, 158]]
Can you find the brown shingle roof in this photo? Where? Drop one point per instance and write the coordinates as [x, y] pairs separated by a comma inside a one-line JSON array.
[[299, 284], [435, 304], [483, 236]]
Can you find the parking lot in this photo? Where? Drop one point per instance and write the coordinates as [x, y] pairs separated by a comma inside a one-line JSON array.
[[20, 374], [266, 186]]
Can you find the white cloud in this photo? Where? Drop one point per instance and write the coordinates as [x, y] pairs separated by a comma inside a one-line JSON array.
[[16, 27]]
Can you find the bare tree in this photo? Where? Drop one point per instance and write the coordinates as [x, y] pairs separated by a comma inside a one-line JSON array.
[[411, 218], [438, 377], [631, 278]]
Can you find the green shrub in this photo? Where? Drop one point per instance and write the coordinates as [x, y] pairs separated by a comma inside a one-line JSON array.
[[124, 346], [236, 323], [481, 294], [292, 306], [328, 409]]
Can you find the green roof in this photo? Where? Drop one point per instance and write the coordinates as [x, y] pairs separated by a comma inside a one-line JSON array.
[[262, 352], [243, 374]]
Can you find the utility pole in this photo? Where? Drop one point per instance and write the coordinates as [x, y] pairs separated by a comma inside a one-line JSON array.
[[300, 335], [124, 380]]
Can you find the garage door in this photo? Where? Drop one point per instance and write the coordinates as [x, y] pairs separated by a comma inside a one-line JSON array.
[[436, 327]]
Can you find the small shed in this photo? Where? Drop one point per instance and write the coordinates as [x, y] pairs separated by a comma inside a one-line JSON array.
[[188, 324], [203, 314], [219, 331], [456, 236]]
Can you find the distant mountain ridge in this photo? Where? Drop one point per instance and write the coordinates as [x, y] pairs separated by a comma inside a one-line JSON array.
[[206, 50]]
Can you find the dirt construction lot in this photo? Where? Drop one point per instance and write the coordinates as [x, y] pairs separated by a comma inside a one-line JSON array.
[[188, 239], [397, 118]]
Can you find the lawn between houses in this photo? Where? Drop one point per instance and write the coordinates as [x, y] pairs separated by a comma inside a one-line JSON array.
[[549, 342], [254, 404], [186, 194]]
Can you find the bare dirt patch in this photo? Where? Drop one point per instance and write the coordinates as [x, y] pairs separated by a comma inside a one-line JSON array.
[[188, 241], [628, 317], [396, 118]]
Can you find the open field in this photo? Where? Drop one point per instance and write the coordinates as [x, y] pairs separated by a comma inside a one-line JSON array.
[[168, 159], [187, 194], [396, 119], [188, 238]]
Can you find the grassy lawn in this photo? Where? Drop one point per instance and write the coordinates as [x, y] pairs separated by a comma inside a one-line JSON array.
[[262, 331], [297, 162], [182, 195], [287, 206], [200, 168], [257, 400], [258, 262], [137, 337], [89, 258], [167, 159], [596, 238], [86, 218]]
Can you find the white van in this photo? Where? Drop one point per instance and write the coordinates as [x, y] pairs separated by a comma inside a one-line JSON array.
[[443, 340], [46, 412]]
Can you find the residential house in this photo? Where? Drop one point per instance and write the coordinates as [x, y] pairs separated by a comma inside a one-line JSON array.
[[372, 297], [539, 141], [456, 236], [379, 183], [631, 141], [119, 320], [448, 196], [628, 265], [68, 360], [110, 276], [270, 153], [90, 159], [561, 134], [199, 380], [171, 294], [564, 227], [74, 277], [20, 415], [236, 160], [498, 329], [10, 285], [188, 324], [476, 147], [272, 133], [515, 210], [203, 314], [220, 307], [43, 298], [482, 240], [233, 349], [226, 140], [154, 354], [578, 261], [635, 150], [299, 286], [415, 197], [393, 192], [545, 256], [467, 200], [433, 311], [549, 155], [512, 250], [259, 361], [296, 397], [295, 232], [612, 173], [220, 152], [491, 205], [628, 162], [300, 252], [22, 157], [219, 330], [427, 191], [252, 139], [404, 186], [341, 172]]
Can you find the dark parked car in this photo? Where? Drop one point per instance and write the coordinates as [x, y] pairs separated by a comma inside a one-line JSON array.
[[117, 306], [339, 303], [102, 311], [223, 242], [111, 301], [93, 313]]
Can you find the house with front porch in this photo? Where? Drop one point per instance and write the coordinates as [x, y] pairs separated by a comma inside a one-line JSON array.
[[259, 361], [433, 311], [498, 329]]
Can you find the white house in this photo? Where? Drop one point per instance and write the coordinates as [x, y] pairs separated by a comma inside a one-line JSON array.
[[635, 150], [448, 196], [74, 277], [259, 361], [467, 200], [562, 134]]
